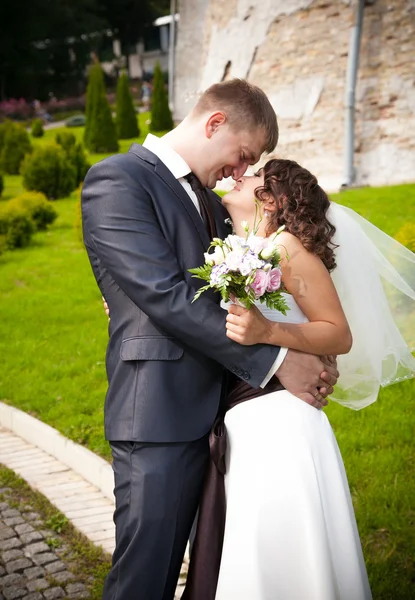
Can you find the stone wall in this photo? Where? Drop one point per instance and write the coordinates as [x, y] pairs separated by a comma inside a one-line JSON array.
[[297, 51]]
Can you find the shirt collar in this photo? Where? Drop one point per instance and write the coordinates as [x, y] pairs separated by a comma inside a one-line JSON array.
[[169, 157]]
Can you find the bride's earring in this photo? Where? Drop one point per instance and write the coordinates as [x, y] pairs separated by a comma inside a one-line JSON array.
[[266, 213]]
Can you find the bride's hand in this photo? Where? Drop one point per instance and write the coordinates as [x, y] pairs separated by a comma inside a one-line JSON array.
[[247, 327], [107, 310]]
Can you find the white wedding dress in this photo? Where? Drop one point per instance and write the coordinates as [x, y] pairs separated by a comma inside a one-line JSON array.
[[290, 531]]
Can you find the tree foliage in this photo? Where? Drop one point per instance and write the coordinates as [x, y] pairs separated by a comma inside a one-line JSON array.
[[100, 134], [126, 119], [161, 118]]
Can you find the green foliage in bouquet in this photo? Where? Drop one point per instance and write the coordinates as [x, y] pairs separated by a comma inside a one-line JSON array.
[[126, 119], [246, 270]]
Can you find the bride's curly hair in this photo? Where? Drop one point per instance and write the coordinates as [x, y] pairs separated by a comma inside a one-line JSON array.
[[301, 205]]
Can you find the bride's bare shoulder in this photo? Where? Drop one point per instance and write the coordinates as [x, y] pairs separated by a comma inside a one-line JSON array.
[[290, 242]]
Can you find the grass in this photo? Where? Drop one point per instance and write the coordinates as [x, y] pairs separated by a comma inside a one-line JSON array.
[[88, 563], [53, 337]]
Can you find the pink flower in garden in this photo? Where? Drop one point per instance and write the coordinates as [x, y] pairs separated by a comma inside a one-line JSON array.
[[259, 285], [274, 282]]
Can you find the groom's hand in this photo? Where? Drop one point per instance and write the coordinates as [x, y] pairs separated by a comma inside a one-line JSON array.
[[309, 377]]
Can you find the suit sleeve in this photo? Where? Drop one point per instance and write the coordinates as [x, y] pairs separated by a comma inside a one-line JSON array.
[[121, 227]]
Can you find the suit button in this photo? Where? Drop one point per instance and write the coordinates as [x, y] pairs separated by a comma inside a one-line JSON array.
[[247, 376]]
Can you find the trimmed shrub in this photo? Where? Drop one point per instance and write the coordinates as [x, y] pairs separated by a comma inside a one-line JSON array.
[[38, 208], [406, 236], [15, 144], [75, 153], [16, 227], [37, 128], [100, 134], [126, 119], [66, 139], [49, 170], [1, 184], [161, 118]]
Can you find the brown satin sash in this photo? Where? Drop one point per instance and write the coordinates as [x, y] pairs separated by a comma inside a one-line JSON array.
[[202, 578]]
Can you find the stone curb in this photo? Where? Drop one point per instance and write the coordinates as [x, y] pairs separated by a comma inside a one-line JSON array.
[[91, 467]]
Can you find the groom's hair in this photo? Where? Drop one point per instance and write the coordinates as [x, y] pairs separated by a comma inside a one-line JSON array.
[[245, 105]]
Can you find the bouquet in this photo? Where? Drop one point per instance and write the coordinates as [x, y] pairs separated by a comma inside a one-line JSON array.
[[244, 270]]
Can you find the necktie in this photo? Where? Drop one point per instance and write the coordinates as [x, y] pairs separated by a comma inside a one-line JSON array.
[[205, 207]]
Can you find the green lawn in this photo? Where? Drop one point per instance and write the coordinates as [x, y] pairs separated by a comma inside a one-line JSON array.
[[52, 342]]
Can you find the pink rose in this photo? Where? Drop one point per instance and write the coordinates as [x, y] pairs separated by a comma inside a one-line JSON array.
[[259, 285], [274, 281]]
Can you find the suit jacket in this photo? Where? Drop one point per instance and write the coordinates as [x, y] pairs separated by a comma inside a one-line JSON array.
[[166, 356]]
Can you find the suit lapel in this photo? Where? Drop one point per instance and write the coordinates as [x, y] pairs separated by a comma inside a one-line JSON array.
[[175, 186]]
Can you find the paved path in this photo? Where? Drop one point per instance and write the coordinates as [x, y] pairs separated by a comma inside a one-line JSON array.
[[30, 568], [84, 505]]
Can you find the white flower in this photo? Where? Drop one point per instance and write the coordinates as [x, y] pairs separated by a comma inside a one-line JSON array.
[[256, 243], [268, 250], [218, 255], [245, 226], [234, 242], [234, 259], [209, 259]]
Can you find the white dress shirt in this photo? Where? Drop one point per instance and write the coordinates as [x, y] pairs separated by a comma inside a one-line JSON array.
[[179, 169]]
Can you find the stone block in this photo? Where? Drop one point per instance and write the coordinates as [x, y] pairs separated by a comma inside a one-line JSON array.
[[24, 528], [42, 559], [34, 572], [36, 548], [54, 593], [32, 536], [10, 521], [56, 566], [11, 593], [18, 565], [63, 577], [12, 554], [7, 532], [37, 584]]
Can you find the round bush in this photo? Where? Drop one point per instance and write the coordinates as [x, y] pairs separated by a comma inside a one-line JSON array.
[[75, 153], [37, 128], [16, 227], [14, 147], [66, 139], [37, 206], [49, 170]]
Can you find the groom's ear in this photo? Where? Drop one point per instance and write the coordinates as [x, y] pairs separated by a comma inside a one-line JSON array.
[[214, 122]]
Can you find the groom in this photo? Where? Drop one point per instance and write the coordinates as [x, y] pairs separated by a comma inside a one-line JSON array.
[[148, 218]]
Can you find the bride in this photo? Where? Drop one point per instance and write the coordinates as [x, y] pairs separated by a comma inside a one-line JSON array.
[[290, 532]]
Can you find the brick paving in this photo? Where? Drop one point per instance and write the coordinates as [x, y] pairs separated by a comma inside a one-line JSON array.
[[24, 531], [31, 566]]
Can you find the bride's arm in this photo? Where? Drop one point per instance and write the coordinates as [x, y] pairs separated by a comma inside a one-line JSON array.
[[306, 278]]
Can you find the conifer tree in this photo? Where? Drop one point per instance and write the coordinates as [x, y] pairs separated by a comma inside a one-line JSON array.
[[126, 119], [161, 118]]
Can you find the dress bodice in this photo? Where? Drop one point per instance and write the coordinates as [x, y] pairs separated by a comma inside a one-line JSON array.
[[294, 314]]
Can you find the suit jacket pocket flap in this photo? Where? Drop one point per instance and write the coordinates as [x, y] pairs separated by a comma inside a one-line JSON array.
[[142, 348]]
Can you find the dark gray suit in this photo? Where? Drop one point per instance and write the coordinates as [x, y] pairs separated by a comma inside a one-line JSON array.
[[165, 361]]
